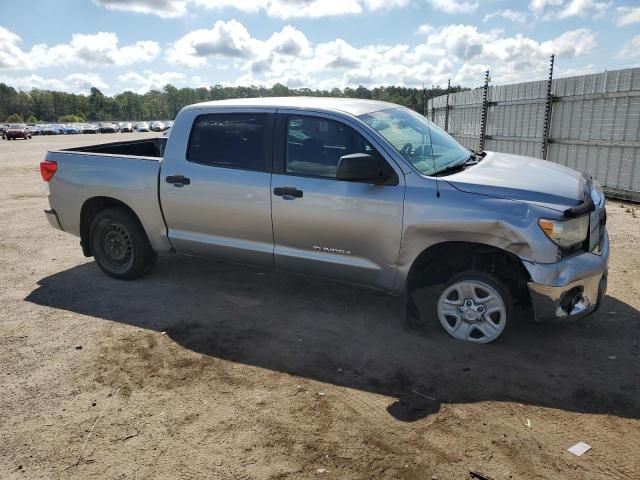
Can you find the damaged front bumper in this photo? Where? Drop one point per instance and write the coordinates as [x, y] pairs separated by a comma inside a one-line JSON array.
[[571, 288]]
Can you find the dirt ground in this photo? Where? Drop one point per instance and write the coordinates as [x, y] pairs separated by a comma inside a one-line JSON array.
[[217, 371]]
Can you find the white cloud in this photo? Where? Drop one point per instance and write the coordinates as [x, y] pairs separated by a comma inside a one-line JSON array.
[[274, 8], [631, 48], [226, 39], [386, 4], [232, 41], [95, 49], [74, 83], [11, 55], [539, 6], [583, 8], [462, 41], [163, 8], [460, 52], [560, 9], [425, 29], [312, 8], [457, 51], [512, 15], [575, 43], [628, 16], [150, 80], [82, 82], [289, 41], [455, 6]]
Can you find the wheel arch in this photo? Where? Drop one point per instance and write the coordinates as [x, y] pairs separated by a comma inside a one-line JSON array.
[[90, 208], [439, 262]]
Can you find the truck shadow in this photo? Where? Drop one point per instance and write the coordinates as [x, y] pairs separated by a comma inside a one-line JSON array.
[[355, 337]]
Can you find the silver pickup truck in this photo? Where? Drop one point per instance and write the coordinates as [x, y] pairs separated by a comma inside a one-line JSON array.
[[359, 191]]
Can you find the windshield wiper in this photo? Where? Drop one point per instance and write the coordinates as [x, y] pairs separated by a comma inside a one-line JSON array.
[[450, 169], [473, 159]]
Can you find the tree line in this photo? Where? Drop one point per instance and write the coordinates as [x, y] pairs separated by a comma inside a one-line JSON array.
[[51, 106]]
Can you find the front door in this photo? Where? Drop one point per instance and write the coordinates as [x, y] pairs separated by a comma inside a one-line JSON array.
[[216, 196], [349, 231]]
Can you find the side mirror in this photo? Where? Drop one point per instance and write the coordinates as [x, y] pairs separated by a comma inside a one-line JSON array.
[[361, 167]]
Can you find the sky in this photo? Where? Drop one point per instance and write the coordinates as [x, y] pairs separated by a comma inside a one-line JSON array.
[[138, 45]]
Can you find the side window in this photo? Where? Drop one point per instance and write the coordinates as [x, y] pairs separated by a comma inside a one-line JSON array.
[[315, 145], [236, 140]]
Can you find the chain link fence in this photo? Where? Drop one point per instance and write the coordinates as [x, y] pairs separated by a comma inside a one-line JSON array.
[[593, 124]]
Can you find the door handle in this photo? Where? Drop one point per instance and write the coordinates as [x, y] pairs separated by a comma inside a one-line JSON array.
[[178, 180], [287, 192]]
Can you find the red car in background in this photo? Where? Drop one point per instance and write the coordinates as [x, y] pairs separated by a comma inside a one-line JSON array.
[[17, 130]]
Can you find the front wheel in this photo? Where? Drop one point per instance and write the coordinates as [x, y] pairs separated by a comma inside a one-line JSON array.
[[119, 244], [474, 307]]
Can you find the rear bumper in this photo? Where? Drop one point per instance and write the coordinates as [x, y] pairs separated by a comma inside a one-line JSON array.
[[571, 288], [52, 217]]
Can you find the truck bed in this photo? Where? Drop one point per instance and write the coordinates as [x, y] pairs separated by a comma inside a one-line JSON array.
[[127, 171], [150, 147]]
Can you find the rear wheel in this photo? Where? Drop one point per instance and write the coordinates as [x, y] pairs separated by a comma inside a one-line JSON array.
[[119, 244]]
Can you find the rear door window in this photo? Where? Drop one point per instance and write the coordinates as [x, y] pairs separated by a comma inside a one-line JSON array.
[[232, 140]]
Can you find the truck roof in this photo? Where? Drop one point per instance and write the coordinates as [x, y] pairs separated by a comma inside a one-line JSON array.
[[352, 106]]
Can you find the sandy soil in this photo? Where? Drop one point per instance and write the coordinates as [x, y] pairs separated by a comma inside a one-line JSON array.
[[209, 370]]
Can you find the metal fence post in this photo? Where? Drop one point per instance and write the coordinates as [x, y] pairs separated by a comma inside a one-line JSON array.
[[547, 112], [446, 108], [485, 108]]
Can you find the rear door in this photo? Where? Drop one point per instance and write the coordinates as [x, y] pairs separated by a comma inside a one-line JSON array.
[[215, 194], [343, 230]]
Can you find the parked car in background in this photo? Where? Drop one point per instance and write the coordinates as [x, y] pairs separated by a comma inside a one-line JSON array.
[[51, 129], [88, 128], [17, 130], [125, 127], [142, 127], [35, 129], [107, 127], [356, 190], [70, 129], [157, 126]]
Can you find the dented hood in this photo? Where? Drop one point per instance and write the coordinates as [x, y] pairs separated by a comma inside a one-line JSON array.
[[528, 179]]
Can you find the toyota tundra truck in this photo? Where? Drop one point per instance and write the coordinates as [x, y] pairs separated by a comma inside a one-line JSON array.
[[355, 190]]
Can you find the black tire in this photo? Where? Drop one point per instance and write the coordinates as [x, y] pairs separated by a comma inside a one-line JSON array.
[[422, 306], [120, 245]]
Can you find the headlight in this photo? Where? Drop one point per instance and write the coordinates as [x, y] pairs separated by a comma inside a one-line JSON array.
[[566, 233]]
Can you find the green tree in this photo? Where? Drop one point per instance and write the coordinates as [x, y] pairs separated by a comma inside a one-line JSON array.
[[50, 106], [14, 118], [32, 119], [71, 119], [96, 105]]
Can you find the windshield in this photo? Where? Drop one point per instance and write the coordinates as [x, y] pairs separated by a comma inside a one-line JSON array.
[[421, 142], [17, 126]]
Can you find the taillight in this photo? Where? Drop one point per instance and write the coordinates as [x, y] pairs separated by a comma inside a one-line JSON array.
[[48, 169]]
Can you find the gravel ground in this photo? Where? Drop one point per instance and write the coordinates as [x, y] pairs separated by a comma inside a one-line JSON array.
[[209, 370]]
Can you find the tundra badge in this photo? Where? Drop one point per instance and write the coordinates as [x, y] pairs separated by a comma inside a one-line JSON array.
[[331, 250]]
